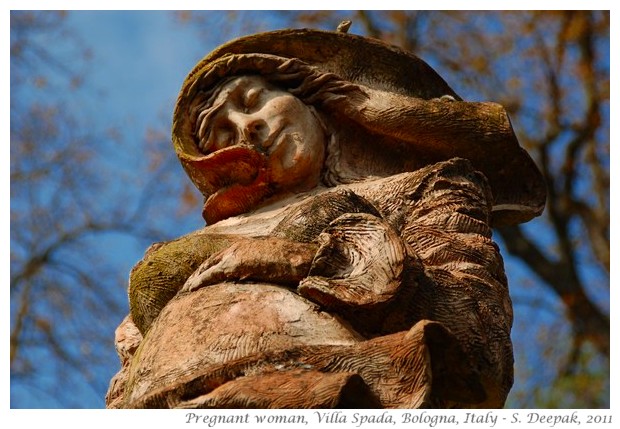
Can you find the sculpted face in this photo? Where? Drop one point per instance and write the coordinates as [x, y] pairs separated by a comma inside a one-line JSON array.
[[249, 112]]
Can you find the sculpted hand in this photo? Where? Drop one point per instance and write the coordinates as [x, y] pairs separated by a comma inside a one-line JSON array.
[[359, 263], [267, 259]]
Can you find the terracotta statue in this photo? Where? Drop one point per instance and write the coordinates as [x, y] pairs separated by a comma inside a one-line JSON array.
[[347, 259]]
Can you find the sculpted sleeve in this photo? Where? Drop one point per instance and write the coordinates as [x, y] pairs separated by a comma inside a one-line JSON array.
[[467, 291]]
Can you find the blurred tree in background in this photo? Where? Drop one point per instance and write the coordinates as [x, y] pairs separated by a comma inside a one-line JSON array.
[[549, 69], [71, 215]]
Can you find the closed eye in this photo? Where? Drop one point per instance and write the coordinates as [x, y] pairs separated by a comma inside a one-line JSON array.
[[250, 100]]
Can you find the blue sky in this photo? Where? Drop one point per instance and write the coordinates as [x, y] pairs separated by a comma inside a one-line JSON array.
[[140, 60]]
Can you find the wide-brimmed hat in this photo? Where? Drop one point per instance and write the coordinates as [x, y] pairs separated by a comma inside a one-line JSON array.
[[518, 187]]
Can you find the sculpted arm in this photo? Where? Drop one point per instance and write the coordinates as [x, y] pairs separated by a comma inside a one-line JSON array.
[[196, 260], [335, 247], [265, 259], [464, 286], [431, 130], [432, 123]]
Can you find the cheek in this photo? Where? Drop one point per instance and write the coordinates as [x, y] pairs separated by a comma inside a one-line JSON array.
[[299, 157], [291, 110], [297, 163], [289, 157]]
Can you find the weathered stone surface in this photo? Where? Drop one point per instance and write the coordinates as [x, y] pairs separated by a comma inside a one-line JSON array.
[[348, 258], [127, 339]]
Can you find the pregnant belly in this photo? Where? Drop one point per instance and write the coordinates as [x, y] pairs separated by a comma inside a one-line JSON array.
[[221, 323]]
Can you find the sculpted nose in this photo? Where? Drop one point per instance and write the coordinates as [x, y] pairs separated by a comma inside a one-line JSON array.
[[252, 130]]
